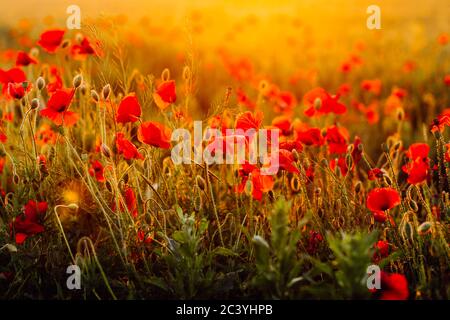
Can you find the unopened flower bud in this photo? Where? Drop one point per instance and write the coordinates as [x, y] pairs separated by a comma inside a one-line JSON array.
[[106, 91], [77, 80], [34, 103], [40, 83], [95, 96], [105, 150]]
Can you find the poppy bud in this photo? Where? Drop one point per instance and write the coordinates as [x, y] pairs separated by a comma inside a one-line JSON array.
[[95, 96], [349, 161], [407, 231], [360, 147], [385, 147], [295, 184], [34, 103], [77, 80], [34, 52], [83, 89], [186, 73], [105, 150], [400, 114], [201, 183], [106, 91], [387, 180], [397, 145], [425, 228], [350, 148], [358, 187], [40, 83], [65, 43], [295, 155], [317, 103]]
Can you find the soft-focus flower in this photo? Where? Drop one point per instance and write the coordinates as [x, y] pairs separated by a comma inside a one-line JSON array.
[[24, 59], [394, 286], [127, 148], [337, 138], [418, 166], [154, 134], [29, 223], [165, 94], [97, 171], [259, 183], [50, 40], [318, 102], [129, 109]]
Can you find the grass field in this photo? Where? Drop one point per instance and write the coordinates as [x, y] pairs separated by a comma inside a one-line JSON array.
[[87, 177]]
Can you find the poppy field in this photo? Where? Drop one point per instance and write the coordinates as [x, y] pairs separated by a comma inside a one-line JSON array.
[[357, 208]]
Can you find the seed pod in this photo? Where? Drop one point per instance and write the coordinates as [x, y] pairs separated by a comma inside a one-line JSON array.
[[95, 96], [77, 80], [295, 184], [105, 150], [34, 103], [201, 183], [400, 114], [40, 83], [106, 91], [425, 228]]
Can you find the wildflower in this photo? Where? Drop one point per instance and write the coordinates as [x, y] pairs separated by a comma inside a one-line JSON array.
[[130, 201], [315, 238], [337, 138], [259, 183], [28, 223], [418, 166], [97, 171], [373, 86], [380, 200], [129, 109], [283, 123], [50, 40], [309, 136], [165, 94], [442, 121], [16, 90], [286, 161], [248, 120], [381, 250], [56, 82], [57, 108], [327, 103], [13, 75], [394, 286], [83, 49], [24, 59], [154, 134], [126, 148], [244, 100], [375, 173]]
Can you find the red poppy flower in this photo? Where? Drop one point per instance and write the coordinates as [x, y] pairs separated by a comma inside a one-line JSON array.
[[24, 59], [337, 138], [418, 166], [357, 152], [57, 108], [341, 163], [248, 120], [154, 134], [165, 94], [259, 183], [130, 201], [97, 171], [381, 250], [286, 161], [16, 90], [373, 86], [309, 137], [291, 145], [315, 238], [284, 102], [344, 89], [28, 223], [442, 121], [50, 40], [380, 200], [129, 109], [55, 82], [244, 100], [375, 173], [447, 80], [127, 148], [13, 75], [318, 102], [394, 286], [83, 49], [283, 123]]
